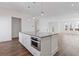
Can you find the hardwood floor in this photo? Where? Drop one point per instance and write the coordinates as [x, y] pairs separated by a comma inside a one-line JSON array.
[[13, 48]]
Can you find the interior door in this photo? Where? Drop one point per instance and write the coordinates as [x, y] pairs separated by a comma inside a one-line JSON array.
[[16, 27]]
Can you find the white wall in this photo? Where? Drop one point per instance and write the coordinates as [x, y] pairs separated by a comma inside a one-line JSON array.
[[5, 28], [28, 25], [58, 20], [47, 22], [5, 23]]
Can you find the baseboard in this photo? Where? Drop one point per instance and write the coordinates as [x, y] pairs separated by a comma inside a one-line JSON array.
[[15, 37], [5, 41]]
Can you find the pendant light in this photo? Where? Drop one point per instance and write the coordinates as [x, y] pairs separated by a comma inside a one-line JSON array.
[[42, 13], [42, 10]]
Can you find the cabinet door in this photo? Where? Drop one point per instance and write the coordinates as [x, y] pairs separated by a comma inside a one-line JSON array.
[[27, 40], [20, 38], [34, 51], [24, 40], [54, 44], [45, 46]]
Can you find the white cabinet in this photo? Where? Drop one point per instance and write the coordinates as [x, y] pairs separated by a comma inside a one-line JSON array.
[[20, 38], [28, 41], [49, 44], [34, 51], [54, 44], [45, 46], [25, 40]]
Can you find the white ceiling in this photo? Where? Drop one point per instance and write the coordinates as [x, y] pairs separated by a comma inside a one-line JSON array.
[[49, 8]]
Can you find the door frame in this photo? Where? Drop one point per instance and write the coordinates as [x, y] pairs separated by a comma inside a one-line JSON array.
[[11, 26]]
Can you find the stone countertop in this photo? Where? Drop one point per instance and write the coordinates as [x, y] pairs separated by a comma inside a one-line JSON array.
[[41, 34]]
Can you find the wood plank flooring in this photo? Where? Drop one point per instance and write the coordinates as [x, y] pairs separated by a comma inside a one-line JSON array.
[[13, 48]]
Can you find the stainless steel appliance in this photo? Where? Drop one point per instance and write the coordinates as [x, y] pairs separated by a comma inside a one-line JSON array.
[[36, 42]]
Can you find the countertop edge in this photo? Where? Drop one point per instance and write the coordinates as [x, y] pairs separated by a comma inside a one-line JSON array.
[[40, 36]]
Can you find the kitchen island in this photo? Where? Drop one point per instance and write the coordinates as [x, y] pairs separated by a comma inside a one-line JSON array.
[[46, 44]]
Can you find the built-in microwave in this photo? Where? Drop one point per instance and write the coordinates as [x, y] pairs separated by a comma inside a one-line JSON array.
[[36, 42]]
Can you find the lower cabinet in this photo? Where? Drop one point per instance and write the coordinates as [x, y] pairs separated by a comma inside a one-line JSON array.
[[20, 38], [54, 44], [49, 45], [45, 46], [34, 51], [25, 40]]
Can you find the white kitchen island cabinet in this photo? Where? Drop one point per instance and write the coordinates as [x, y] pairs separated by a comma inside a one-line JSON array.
[[25, 40], [47, 46]]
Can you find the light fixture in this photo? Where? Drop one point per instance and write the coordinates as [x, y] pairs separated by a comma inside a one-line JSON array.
[[34, 2], [42, 13], [28, 6], [72, 5], [33, 17]]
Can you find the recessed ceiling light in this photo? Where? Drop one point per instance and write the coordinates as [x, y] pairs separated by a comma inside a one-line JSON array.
[[72, 5]]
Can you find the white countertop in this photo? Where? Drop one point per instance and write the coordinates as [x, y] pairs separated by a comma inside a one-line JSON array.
[[41, 34]]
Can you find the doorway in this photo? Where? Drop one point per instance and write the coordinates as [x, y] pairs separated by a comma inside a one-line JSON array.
[[16, 27]]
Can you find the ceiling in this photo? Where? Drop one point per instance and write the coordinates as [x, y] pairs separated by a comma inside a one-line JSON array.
[[49, 8]]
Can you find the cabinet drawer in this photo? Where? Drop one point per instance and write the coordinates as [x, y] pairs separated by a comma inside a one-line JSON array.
[[34, 51]]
